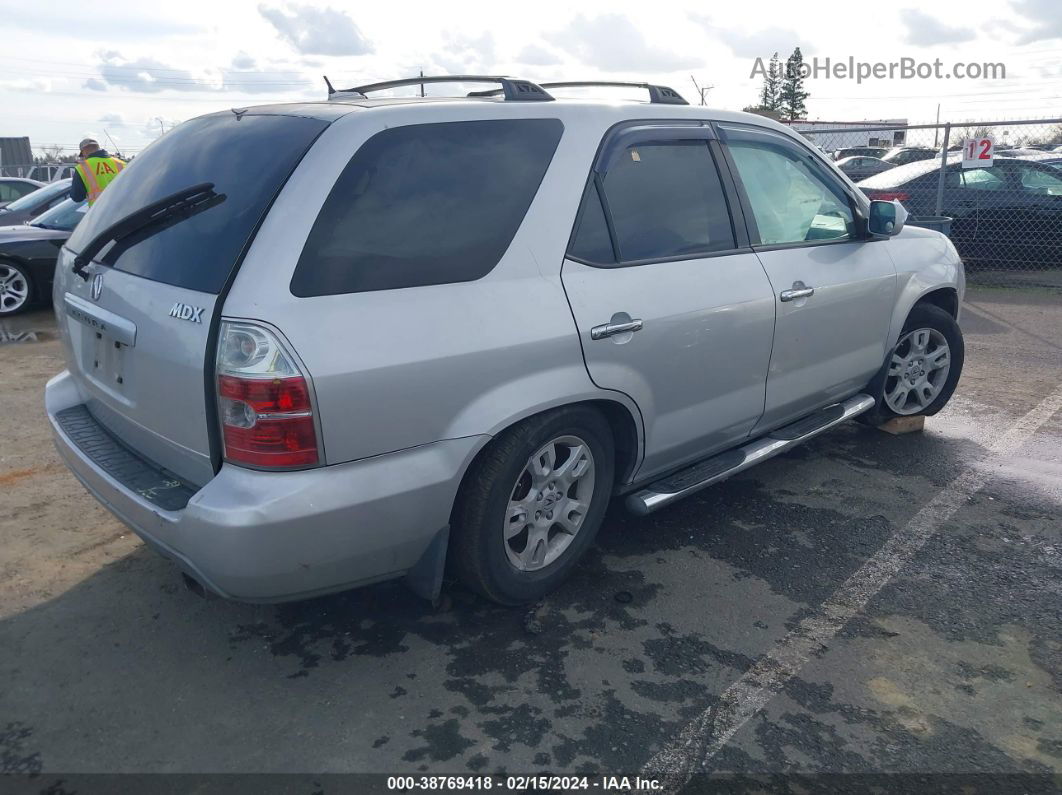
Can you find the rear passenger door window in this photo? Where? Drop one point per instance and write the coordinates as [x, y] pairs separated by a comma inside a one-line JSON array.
[[426, 204], [792, 198], [666, 200]]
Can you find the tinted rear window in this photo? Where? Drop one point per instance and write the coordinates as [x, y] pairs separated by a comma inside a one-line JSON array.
[[426, 204], [666, 200], [247, 158], [39, 197]]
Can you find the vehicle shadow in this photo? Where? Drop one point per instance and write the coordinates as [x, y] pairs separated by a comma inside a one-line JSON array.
[[131, 643]]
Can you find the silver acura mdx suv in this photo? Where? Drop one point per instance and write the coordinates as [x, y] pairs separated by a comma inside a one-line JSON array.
[[314, 346]]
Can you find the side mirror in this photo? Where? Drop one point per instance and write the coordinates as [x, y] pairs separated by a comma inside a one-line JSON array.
[[886, 218]]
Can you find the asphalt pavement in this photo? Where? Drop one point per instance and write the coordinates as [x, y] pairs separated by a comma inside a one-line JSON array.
[[867, 603]]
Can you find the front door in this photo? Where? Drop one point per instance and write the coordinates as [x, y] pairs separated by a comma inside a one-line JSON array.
[[673, 308], [834, 290]]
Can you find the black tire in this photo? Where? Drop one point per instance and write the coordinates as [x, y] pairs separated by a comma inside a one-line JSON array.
[[922, 316], [477, 546], [6, 310]]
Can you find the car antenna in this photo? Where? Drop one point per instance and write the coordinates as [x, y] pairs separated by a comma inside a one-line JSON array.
[[112, 141], [328, 83]]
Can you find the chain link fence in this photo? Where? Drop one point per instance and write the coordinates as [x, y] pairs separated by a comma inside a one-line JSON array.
[[1006, 214], [42, 172], [1006, 218]]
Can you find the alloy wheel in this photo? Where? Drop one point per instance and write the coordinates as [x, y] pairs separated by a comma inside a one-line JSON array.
[[14, 289], [549, 503], [917, 371]]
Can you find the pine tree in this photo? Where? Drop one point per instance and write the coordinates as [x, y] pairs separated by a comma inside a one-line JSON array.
[[776, 83], [793, 94], [769, 95]]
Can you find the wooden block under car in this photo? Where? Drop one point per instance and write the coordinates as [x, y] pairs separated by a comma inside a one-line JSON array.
[[898, 425]]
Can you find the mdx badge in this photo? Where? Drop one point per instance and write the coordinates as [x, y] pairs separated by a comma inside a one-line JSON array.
[[97, 286], [187, 312]]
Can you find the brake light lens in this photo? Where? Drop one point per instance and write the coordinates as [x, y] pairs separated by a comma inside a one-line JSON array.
[[888, 196], [264, 401]]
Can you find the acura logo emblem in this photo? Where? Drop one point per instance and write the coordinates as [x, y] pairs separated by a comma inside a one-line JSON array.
[[97, 286]]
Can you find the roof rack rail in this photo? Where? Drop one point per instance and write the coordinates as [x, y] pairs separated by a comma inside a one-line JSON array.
[[658, 95], [512, 89], [339, 94]]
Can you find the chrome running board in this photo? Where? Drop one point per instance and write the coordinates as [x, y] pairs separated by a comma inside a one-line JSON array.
[[719, 467]]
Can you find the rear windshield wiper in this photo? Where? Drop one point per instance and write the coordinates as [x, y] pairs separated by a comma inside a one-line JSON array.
[[150, 219]]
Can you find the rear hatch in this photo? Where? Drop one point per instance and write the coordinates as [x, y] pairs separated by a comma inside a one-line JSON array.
[[139, 328]]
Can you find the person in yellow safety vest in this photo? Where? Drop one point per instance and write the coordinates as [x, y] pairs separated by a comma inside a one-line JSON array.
[[95, 170]]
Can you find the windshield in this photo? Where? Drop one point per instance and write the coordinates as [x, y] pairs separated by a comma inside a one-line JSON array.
[[65, 215], [246, 158], [39, 196]]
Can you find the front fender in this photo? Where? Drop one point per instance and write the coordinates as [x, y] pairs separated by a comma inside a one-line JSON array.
[[926, 261]]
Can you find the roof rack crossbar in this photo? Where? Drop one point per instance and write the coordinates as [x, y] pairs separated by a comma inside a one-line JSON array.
[[512, 89], [658, 95]]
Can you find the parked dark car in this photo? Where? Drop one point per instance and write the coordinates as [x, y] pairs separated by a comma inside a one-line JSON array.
[[33, 204], [1009, 213], [902, 155], [1021, 151], [28, 253], [1047, 158], [12, 188], [860, 151], [857, 168]]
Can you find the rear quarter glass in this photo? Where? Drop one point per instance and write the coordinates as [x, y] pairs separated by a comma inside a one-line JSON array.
[[248, 158], [426, 204]]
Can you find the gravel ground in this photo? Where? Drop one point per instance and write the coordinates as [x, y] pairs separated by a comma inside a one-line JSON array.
[[729, 633]]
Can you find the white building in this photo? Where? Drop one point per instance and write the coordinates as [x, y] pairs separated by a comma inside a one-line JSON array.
[[844, 134]]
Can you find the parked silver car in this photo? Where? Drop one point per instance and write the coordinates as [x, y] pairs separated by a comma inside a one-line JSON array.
[[313, 346]]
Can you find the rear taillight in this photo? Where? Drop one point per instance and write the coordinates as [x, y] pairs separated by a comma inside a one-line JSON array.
[[264, 401], [888, 195]]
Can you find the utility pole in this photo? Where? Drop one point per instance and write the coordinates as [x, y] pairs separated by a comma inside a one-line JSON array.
[[701, 92]]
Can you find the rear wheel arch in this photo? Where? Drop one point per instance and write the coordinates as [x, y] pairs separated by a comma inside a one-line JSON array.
[[626, 435], [472, 556]]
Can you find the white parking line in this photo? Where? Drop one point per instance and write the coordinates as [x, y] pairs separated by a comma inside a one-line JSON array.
[[703, 737]]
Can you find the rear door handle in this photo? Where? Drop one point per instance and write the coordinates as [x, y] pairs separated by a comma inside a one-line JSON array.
[[799, 290], [611, 329]]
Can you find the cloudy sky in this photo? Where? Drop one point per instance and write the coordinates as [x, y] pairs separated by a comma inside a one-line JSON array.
[[128, 69]]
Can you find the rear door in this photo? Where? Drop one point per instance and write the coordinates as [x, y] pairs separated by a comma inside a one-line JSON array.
[[834, 290], [138, 329], [672, 306], [1018, 210]]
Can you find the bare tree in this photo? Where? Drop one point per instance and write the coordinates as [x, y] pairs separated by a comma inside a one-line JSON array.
[[53, 153]]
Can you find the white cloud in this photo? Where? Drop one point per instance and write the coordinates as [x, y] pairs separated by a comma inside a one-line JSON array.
[[243, 61], [113, 119], [538, 55], [762, 43], [126, 24], [317, 31], [926, 31], [613, 43], [150, 76], [463, 53], [146, 75], [1046, 17]]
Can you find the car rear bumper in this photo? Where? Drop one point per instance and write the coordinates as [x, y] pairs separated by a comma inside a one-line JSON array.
[[278, 536]]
